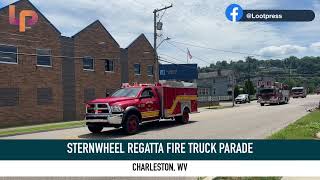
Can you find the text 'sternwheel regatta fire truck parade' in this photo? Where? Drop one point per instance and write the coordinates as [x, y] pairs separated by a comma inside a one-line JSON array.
[[131, 106]]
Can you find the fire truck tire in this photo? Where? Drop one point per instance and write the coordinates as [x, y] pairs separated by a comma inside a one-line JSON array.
[[184, 119], [95, 129], [131, 124], [262, 104]]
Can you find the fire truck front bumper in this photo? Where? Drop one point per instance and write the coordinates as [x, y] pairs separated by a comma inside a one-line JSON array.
[[112, 119], [271, 101]]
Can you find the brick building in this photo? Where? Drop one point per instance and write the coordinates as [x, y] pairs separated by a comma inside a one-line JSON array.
[[139, 60], [30, 81], [46, 77], [99, 71]]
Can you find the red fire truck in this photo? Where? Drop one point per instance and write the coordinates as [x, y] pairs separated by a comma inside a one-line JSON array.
[[272, 93], [131, 106]]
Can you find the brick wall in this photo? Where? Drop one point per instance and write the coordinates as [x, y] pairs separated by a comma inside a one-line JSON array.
[[140, 51], [96, 42], [25, 87], [26, 76]]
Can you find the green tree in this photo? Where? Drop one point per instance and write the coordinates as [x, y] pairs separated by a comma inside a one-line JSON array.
[[236, 91], [249, 88]]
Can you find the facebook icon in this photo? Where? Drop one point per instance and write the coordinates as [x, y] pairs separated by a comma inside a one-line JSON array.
[[234, 12]]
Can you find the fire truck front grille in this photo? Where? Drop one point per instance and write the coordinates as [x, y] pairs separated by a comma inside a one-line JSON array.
[[98, 109], [90, 111], [102, 106]]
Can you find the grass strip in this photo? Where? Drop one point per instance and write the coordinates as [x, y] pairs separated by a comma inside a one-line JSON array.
[[304, 128], [40, 128]]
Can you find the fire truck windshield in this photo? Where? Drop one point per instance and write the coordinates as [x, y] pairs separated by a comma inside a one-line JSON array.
[[267, 91], [127, 92]]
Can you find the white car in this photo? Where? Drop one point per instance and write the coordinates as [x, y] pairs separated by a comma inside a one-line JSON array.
[[242, 98]]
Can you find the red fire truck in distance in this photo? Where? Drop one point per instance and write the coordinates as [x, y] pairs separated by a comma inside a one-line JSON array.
[[272, 93], [131, 106]]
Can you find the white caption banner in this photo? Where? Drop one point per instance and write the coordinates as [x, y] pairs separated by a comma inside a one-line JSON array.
[[125, 168]]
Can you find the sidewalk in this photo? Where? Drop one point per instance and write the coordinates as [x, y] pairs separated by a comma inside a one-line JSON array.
[[222, 105]]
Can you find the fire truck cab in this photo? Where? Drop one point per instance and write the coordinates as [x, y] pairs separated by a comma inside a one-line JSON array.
[[131, 106]]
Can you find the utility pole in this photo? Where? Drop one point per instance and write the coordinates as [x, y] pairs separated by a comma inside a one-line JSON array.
[[249, 59], [155, 36], [233, 87], [249, 67]]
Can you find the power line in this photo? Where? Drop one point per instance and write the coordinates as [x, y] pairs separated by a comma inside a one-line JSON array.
[[56, 56], [43, 47], [184, 51], [221, 50], [173, 58]]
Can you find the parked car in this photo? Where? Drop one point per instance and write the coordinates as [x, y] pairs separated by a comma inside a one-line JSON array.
[[242, 98]]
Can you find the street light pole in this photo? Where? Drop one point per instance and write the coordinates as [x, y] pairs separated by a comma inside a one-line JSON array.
[[155, 35], [166, 39]]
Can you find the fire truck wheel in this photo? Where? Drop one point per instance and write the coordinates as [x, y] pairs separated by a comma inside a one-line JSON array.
[[95, 128], [131, 125], [184, 119]]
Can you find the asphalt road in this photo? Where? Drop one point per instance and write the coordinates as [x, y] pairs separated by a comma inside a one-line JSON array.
[[247, 121]]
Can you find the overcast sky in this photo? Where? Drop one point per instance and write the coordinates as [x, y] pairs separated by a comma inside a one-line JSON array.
[[197, 22]]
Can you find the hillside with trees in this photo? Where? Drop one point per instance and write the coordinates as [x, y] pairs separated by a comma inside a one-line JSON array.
[[292, 71]]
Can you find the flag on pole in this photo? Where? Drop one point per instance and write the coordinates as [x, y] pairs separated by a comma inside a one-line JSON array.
[[189, 54]]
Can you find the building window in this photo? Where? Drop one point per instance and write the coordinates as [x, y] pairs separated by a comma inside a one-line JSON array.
[[206, 91], [8, 54], [203, 91], [137, 69], [89, 94], [44, 96], [109, 65], [44, 57], [150, 70], [88, 64], [9, 97]]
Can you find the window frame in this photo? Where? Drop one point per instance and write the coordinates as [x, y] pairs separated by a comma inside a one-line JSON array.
[[8, 102], [113, 65], [134, 69], [43, 102], [93, 64], [37, 55], [17, 54], [150, 75]]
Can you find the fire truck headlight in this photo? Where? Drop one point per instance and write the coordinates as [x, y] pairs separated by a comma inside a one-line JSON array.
[[117, 109]]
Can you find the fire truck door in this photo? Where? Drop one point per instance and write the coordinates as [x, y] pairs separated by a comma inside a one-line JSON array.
[[149, 105]]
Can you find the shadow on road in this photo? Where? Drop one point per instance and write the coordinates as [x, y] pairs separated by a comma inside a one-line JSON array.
[[118, 133]]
